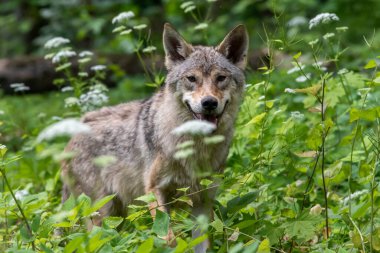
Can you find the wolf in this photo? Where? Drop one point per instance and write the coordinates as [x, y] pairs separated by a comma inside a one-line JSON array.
[[203, 83]]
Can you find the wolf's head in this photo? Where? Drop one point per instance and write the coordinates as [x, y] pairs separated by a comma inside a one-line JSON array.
[[208, 81]]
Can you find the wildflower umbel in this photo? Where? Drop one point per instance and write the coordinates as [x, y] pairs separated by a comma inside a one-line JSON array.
[[98, 68], [93, 99], [18, 87], [64, 54], [322, 18], [56, 42], [66, 127], [124, 16], [194, 127]]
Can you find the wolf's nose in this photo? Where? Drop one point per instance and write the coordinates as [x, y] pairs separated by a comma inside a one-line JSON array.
[[209, 103]]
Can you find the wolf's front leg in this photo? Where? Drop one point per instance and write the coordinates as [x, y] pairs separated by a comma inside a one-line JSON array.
[[151, 182], [203, 207], [197, 232]]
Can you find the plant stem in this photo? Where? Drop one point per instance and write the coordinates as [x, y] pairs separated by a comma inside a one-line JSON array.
[[324, 133], [18, 206]]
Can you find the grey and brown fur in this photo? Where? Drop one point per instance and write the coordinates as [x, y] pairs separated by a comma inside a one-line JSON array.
[[138, 134]]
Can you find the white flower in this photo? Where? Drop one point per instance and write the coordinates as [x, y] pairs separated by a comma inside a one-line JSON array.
[[64, 54], [328, 35], [297, 21], [56, 42], [316, 210], [98, 68], [93, 99], [149, 49], [353, 196], [124, 16], [288, 90], [18, 87], [140, 27], [66, 127], [323, 18], [303, 78], [67, 88], [71, 101], [295, 69], [85, 54], [21, 194], [195, 127], [296, 115], [2, 146], [56, 118]]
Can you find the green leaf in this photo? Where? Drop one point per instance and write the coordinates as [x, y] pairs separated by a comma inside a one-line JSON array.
[[296, 56], [238, 202], [63, 66], [264, 246], [181, 246], [112, 221], [206, 182], [146, 247], [370, 65], [99, 204], [73, 244], [161, 223], [218, 225], [257, 119], [198, 240], [147, 198], [252, 248], [302, 227]]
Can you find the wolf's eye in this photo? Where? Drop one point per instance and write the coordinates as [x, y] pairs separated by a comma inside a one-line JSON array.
[[221, 78], [191, 79]]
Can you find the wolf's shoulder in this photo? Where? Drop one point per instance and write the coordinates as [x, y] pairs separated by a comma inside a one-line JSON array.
[[112, 114]]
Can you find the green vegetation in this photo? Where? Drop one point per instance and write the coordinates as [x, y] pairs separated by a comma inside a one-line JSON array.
[[303, 170]]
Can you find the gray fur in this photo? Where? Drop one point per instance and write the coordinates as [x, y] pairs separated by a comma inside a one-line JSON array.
[[138, 134]]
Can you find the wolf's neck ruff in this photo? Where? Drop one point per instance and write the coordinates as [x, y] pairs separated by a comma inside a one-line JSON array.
[[204, 83]]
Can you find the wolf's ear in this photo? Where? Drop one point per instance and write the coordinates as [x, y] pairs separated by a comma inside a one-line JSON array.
[[235, 46], [176, 48]]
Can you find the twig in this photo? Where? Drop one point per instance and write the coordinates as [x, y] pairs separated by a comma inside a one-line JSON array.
[[18, 206]]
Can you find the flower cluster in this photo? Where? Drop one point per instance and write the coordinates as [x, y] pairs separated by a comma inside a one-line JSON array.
[[56, 42], [64, 54], [19, 87], [194, 127], [322, 18], [98, 68], [66, 127], [94, 98], [124, 16]]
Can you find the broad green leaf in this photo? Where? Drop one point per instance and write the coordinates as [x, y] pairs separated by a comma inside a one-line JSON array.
[[312, 90], [257, 119], [136, 215], [296, 56], [147, 198], [238, 202], [73, 244], [181, 246], [146, 247], [161, 223], [218, 225], [370, 65], [251, 247], [206, 182], [302, 227], [113, 222], [264, 246], [99, 204], [198, 240]]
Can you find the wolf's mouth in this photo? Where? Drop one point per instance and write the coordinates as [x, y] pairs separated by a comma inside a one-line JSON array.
[[209, 117]]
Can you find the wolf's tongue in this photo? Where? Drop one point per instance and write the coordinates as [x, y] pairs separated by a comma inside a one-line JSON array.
[[210, 118]]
